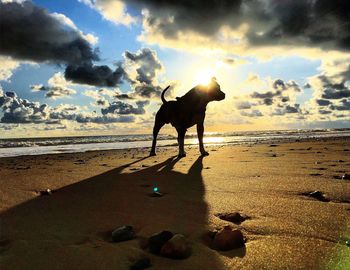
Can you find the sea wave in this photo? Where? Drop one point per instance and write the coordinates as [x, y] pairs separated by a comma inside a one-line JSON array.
[[36, 146]]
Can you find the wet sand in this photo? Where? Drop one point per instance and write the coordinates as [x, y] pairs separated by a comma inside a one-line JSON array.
[[95, 192]]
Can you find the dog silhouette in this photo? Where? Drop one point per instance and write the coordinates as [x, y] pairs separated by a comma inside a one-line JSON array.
[[186, 111]]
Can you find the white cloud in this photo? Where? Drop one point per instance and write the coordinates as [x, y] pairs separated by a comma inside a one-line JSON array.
[[7, 66], [114, 11]]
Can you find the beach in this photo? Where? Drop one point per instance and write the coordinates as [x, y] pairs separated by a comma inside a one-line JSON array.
[[58, 210]]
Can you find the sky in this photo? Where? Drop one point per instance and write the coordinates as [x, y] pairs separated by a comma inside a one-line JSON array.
[[97, 67]]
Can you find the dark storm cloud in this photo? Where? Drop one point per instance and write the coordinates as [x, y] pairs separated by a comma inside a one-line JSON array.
[[122, 108], [272, 22], [29, 32], [94, 75]]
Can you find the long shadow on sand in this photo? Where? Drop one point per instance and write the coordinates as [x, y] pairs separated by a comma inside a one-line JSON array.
[[63, 231]]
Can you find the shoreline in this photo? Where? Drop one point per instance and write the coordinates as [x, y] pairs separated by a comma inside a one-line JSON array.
[[96, 191], [8, 151]]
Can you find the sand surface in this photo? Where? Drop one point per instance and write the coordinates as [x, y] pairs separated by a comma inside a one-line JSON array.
[[95, 192]]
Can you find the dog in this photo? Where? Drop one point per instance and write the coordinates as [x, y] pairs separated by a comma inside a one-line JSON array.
[[186, 111]]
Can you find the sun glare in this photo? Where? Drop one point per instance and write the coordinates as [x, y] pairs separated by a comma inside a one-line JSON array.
[[204, 76]]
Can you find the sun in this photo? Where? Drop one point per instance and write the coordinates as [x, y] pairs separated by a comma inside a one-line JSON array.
[[204, 76]]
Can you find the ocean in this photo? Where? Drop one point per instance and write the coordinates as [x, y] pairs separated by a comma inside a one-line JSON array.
[[38, 146]]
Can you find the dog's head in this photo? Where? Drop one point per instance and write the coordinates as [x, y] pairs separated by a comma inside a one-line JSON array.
[[213, 91]]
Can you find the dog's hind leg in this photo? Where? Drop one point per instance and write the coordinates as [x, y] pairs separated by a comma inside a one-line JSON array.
[[181, 140], [157, 126], [200, 132]]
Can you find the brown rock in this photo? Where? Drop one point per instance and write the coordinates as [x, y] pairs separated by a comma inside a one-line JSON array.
[[228, 239], [177, 248]]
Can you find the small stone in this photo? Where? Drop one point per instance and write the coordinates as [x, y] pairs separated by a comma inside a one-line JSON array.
[[347, 242], [141, 264], [156, 194], [345, 176], [123, 233], [234, 217], [228, 239], [176, 248], [317, 195], [156, 241], [46, 192]]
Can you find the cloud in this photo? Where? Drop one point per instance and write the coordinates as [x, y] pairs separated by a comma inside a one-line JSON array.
[[331, 96], [142, 66], [114, 11], [94, 75], [278, 100], [123, 96], [17, 110], [246, 26], [21, 111], [32, 33], [251, 113], [8, 65], [53, 91], [122, 108]]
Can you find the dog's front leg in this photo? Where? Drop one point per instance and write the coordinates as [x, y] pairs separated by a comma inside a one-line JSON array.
[[200, 132], [181, 140]]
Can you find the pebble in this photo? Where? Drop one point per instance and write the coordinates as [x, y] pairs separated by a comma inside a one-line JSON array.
[[156, 194], [176, 248], [141, 264], [346, 176], [317, 195], [228, 239], [156, 241], [46, 192], [234, 217], [123, 233]]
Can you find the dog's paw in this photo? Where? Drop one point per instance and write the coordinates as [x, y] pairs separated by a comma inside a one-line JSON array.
[[204, 153], [152, 154]]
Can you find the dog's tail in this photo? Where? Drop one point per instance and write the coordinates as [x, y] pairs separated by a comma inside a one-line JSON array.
[[162, 96]]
